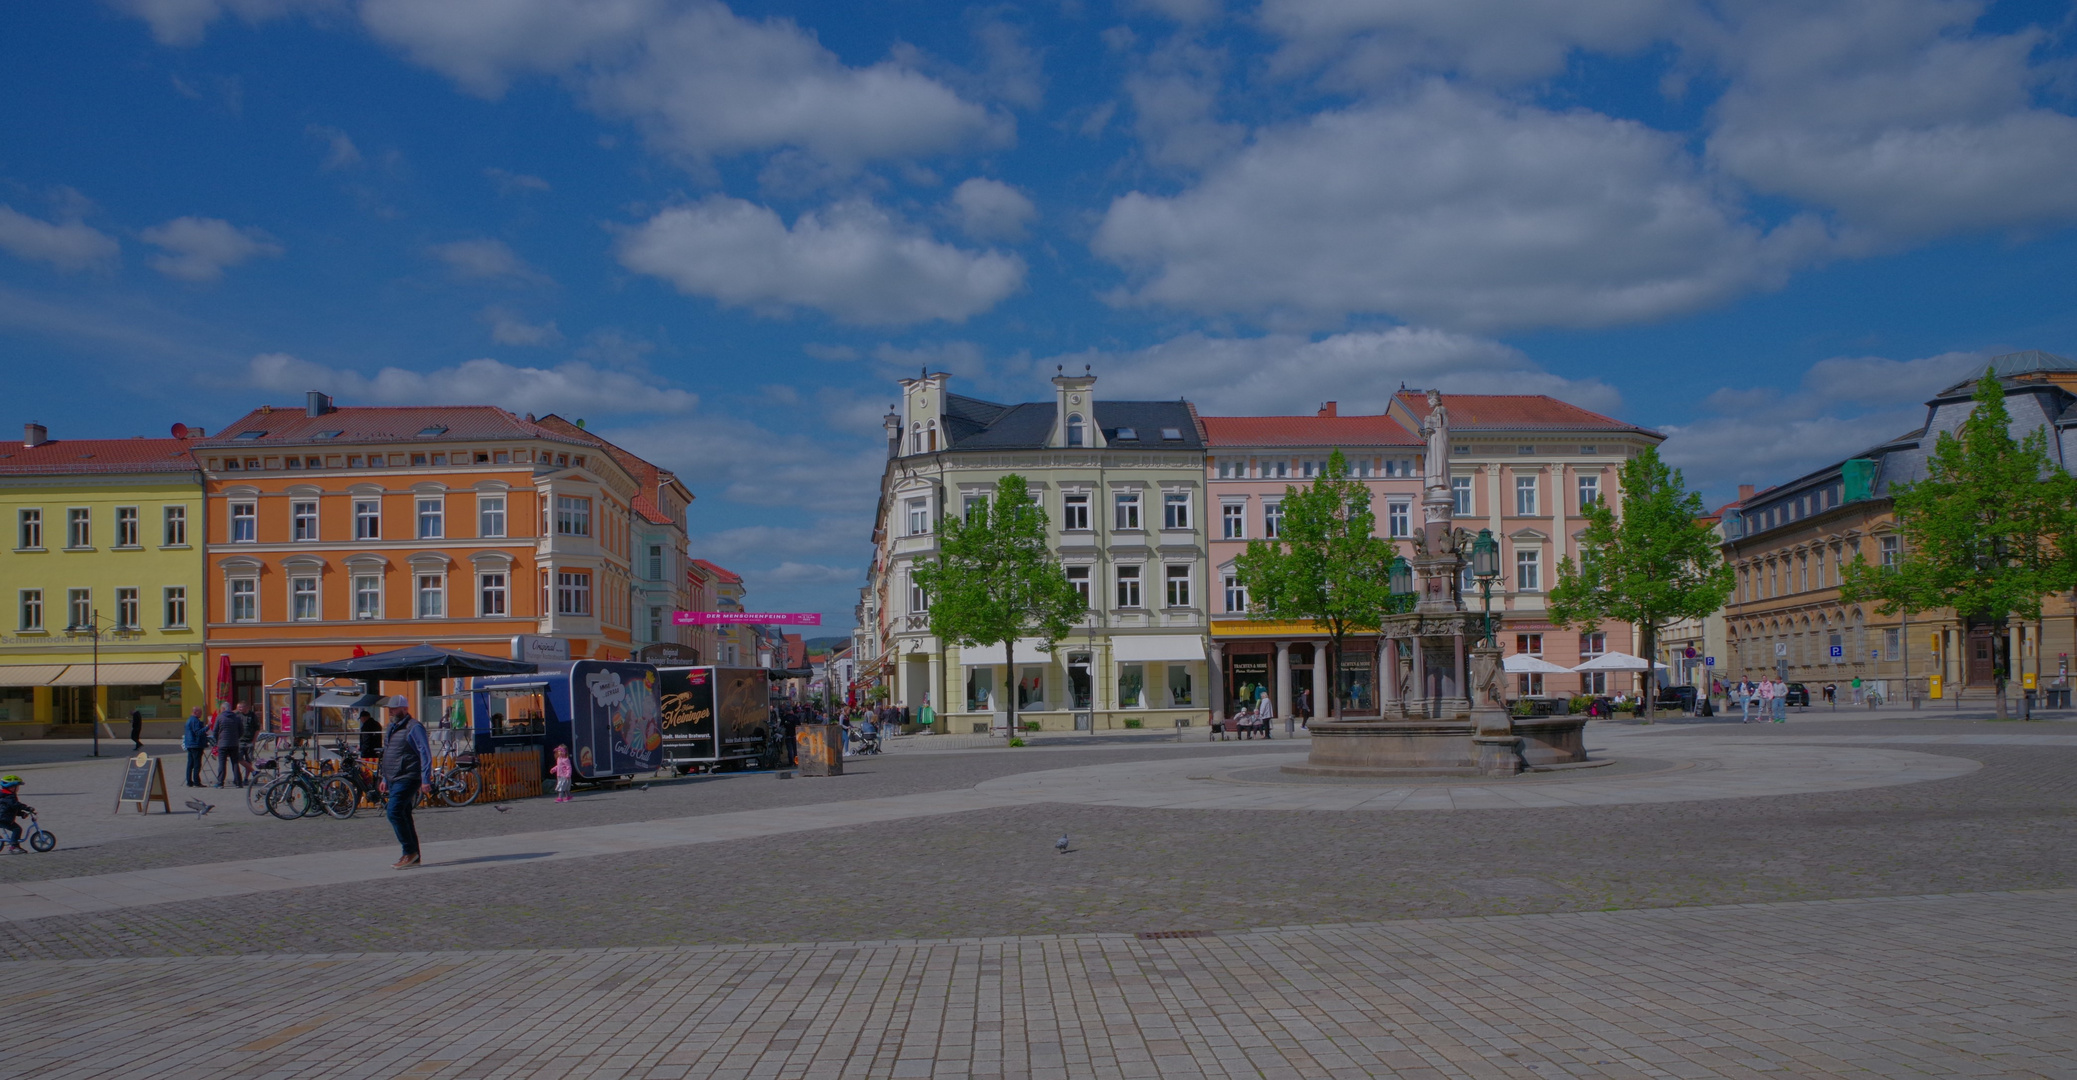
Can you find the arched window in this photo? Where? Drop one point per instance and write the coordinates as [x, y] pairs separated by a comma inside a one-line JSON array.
[[933, 433], [1074, 429], [916, 438]]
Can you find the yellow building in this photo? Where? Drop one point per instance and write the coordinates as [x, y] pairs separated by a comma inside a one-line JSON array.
[[102, 577]]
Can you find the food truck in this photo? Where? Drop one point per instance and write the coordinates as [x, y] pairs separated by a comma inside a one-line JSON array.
[[716, 718], [607, 712]]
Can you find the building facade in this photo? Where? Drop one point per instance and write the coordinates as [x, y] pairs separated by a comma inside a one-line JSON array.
[[659, 549], [328, 529], [1123, 487], [104, 575], [733, 644]]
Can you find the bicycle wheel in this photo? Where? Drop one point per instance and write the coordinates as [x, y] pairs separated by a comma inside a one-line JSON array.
[[338, 798], [256, 793], [290, 799], [464, 787], [44, 840]]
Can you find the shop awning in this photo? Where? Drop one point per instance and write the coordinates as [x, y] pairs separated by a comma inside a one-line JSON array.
[[1141, 648], [349, 699], [130, 674], [29, 674]]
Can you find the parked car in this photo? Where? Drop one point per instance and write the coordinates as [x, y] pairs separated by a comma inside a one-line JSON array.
[[1677, 697], [1799, 694]]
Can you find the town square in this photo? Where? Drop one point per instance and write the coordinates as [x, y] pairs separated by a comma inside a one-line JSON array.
[[1100, 538]]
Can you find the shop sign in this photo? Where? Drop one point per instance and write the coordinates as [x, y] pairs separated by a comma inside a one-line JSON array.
[[540, 649]]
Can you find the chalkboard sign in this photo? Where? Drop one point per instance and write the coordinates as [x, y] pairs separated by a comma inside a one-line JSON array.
[[144, 783]]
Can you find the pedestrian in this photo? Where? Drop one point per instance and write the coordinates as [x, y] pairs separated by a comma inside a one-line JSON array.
[[136, 729], [248, 734], [371, 736], [194, 738], [229, 731], [407, 764], [561, 770], [1766, 696], [1781, 702]]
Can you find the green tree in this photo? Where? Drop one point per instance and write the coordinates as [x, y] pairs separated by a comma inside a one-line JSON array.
[[994, 580], [1325, 565], [1655, 562], [1987, 534]]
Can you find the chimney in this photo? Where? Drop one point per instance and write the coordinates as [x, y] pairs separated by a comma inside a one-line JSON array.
[[1744, 492], [34, 435], [316, 403], [1331, 408]]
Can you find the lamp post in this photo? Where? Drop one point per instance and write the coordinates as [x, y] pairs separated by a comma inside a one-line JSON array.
[[91, 629], [1485, 566], [1401, 581]]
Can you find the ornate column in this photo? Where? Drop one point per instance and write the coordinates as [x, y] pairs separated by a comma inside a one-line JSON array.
[[1283, 680], [1320, 689], [1420, 674], [1463, 689]]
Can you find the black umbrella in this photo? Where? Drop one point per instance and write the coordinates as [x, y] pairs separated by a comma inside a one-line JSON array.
[[421, 662]]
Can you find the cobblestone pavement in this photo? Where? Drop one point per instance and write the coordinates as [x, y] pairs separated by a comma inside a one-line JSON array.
[[1964, 985]]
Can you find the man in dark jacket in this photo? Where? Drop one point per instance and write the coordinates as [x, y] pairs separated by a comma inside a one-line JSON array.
[[194, 738], [406, 769], [230, 729], [136, 729]]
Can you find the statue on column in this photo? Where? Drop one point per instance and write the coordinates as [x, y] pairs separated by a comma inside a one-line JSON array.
[[1436, 429]]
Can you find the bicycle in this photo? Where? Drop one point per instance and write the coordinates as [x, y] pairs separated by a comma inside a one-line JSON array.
[[39, 838], [355, 772], [303, 793], [456, 786]]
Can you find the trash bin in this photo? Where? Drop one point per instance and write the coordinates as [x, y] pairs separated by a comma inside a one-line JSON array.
[[821, 750]]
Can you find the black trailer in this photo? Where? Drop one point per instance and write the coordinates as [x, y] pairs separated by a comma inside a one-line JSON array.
[[716, 718]]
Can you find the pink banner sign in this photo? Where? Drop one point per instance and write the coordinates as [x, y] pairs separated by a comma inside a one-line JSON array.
[[727, 618]]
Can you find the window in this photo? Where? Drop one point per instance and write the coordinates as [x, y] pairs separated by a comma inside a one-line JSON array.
[[367, 519], [127, 616], [572, 516], [1593, 682], [1892, 642], [490, 515], [1179, 690], [367, 596], [970, 504], [1233, 470], [1128, 433], [656, 624], [1178, 586], [32, 609], [1074, 513], [1276, 469], [28, 529], [302, 595], [432, 518], [1128, 587], [1233, 520], [1031, 688], [1593, 643], [1074, 429], [1529, 685], [1127, 510], [79, 609], [919, 601], [1525, 496], [432, 595], [1460, 495], [126, 526], [572, 593], [1529, 644], [418, 459], [176, 604], [490, 595], [1589, 491], [303, 520], [919, 516], [245, 600], [1399, 519], [1272, 519], [1236, 594], [245, 522], [1132, 686], [1892, 550], [656, 562], [1078, 576], [1528, 570], [79, 528], [1589, 449], [1175, 510]]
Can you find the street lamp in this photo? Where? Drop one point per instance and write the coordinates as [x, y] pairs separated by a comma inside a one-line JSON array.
[[92, 629], [1402, 580], [1485, 566]]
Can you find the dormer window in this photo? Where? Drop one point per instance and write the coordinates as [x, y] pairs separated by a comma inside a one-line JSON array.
[[430, 432], [1127, 433], [1074, 430], [1169, 434]]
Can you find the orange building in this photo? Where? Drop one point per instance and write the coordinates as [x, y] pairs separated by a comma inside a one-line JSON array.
[[330, 528]]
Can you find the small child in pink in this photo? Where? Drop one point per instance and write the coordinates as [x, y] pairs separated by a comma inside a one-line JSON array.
[[562, 771]]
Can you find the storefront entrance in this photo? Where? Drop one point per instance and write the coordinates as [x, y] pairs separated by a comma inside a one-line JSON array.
[[1983, 655], [1250, 674], [72, 705]]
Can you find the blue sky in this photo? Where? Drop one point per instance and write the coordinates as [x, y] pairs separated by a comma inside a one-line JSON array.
[[718, 233]]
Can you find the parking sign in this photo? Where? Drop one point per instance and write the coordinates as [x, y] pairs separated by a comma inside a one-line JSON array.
[[1838, 651], [1709, 661]]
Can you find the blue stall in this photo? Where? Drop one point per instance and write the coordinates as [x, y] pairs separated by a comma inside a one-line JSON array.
[[608, 713]]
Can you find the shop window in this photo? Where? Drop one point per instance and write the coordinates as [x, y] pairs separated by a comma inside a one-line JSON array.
[[1529, 685], [176, 604], [1180, 689], [980, 689], [1132, 686], [1031, 688], [1080, 685]]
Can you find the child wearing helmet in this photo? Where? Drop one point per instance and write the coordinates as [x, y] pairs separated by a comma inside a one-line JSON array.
[[12, 807]]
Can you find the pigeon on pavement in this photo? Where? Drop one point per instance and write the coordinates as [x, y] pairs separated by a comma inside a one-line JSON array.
[[501, 809], [199, 807], [1060, 845], [644, 786]]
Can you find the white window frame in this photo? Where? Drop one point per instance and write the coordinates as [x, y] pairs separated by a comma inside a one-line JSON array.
[[367, 601], [1460, 495], [573, 593], [1233, 520], [572, 515], [28, 528], [245, 514], [126, 529], [656, 562], [1528, 570], [918, 512], [242, 599], [1175, 510], [490, 516], [1130, 580], [302, 512], [1589, 491], [429, 585], [1176, 584], [1125, 511], [493, 593], [173, 601], [79, 608], [1074, 511], [367, 517], [79, 528], [305, 602], [1078, 579], [129, 614], [1399, 519], [919, 601], [1236, 594], [1525, 496], [29, 610], [429, 517], [1272, 518]]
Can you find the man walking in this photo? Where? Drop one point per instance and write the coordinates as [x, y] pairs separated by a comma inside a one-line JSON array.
[[136, 729], [230, 728], [1781, 702], [406, 769], [194, 738]]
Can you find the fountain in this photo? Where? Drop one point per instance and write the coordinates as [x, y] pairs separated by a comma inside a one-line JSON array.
[[1443, 699]]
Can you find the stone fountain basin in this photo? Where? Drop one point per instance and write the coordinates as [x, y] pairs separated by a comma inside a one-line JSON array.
[[1432, 747]]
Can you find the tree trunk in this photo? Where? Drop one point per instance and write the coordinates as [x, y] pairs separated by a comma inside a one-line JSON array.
[[1651, 671], [1999, 671], [1009, 655]]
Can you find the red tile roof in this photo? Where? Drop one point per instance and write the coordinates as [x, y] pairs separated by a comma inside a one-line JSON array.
[[713, 571], [1513, 412], [360, 424], [1325, 431], [72, 456], [646, 475]]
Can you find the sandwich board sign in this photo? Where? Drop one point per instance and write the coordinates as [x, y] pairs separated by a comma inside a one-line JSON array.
[[144, 783]]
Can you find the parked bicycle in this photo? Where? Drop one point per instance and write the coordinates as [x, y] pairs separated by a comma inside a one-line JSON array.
[[457, 785], [303, 793]]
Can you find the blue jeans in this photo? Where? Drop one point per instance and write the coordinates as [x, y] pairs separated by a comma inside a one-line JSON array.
[[1781, 709], [1745, 701], [402, 797]]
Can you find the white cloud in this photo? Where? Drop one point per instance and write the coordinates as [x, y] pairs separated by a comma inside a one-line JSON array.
[[566, 388], [509, 182], [1175, 105], [487, 260], [796, 573], [851, 260], [340, 152], [200, 249], [757, 466], [1454, 209], [991, 210], [184, 22], [1893, 115], [699, 79], [68, 245], [1491, 41], [1287, 374], [508, 328], [825, 537]]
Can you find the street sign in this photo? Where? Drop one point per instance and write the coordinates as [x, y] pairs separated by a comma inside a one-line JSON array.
[[731, 618], [1838, 651], [1781, 648], [1709, 661]]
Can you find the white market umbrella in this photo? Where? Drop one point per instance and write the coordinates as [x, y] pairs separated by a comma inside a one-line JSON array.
[[1616, 661], [1524, 664]]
